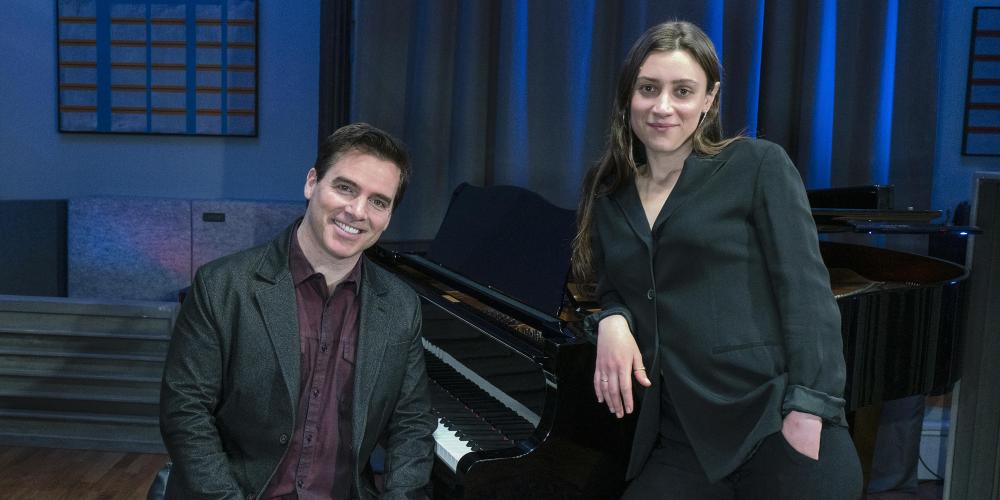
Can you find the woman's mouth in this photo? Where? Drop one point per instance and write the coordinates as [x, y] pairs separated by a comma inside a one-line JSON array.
[[661, 126]]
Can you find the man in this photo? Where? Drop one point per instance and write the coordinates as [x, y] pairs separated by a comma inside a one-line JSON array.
[[289, 362]]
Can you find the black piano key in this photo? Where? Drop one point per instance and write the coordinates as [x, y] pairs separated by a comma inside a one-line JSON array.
[[475, 415]]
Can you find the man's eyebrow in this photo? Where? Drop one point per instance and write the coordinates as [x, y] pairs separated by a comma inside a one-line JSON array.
[[344, 180]]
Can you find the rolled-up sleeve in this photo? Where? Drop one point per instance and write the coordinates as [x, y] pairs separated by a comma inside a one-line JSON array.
[[607, 296], [810, 318]]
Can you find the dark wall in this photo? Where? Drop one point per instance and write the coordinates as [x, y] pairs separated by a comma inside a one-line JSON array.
[[33, 247]]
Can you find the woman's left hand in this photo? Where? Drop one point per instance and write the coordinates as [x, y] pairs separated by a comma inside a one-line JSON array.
[[802, 431]]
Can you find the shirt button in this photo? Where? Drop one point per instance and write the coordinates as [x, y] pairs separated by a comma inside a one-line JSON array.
[[309, 438], [651, 294], [315, 393], [298, 483], [283, 438], [323, 347]]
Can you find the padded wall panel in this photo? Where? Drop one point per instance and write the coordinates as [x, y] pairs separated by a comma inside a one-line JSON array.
[[128, 248], [33, 247], [221, 227], [975, 461]]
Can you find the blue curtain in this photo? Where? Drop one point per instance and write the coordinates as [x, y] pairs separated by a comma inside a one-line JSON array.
[[519, 92]]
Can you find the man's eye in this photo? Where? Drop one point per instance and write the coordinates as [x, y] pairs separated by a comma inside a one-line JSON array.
[[380, 204], [344, 188]]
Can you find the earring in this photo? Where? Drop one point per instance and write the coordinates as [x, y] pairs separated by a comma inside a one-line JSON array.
[[701, 118]]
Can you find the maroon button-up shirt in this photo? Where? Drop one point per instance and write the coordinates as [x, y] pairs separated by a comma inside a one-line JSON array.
[[318, 464]]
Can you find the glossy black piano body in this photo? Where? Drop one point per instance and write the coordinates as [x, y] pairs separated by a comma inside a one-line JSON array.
[[902, 330], [522, 392], [577, 450]]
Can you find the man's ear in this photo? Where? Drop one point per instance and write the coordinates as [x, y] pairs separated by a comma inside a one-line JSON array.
[[310, 186]]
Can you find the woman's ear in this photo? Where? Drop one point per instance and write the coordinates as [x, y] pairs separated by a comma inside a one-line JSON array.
[[710, 97]]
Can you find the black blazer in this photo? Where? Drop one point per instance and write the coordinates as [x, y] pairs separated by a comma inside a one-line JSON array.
[[728, 298], [231, 383]]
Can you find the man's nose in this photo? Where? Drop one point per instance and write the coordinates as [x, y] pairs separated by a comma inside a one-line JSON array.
[[357, 207]]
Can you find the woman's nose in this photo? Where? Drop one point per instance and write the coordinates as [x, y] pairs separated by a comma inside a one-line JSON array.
[[663, 104]]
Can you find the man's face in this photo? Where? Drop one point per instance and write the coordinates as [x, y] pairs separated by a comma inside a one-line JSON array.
[[350, 206]]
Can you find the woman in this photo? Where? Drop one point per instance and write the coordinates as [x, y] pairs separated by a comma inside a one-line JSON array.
[[714, 297]]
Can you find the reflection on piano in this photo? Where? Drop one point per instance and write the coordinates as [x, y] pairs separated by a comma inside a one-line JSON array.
[[510, 372]]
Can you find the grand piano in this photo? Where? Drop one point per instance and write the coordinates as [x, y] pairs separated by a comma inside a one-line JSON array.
[[511, 370], [900, 312]]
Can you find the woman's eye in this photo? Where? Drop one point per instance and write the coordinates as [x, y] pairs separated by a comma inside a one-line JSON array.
[[647, 89], [683, 92]]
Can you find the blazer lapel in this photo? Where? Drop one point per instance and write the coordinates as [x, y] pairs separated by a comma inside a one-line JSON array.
[[276, 299], [372, 339], [627, 199], [282, 322], [697, 171]]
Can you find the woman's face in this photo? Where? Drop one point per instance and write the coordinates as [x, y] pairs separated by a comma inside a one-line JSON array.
[[668, 99]]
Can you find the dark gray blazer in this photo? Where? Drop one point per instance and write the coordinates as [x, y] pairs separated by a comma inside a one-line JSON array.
[[729, 298], [231, 384]]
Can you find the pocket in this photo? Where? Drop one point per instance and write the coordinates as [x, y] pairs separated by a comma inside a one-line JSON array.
[[747, 366], [720, 349], [349, 349], [796, 455], [397, 350]]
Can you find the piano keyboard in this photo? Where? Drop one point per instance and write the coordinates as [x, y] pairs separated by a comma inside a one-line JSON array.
[[473, 414], [448, 446]]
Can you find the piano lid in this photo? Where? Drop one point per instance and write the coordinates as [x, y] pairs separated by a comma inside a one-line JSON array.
[[873, 197], [508, 239], [869, 209]]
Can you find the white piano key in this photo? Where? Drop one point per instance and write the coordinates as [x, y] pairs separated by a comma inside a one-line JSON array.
[[449, 447]]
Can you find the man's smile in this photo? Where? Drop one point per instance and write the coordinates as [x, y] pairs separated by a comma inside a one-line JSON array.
[[346, 228]]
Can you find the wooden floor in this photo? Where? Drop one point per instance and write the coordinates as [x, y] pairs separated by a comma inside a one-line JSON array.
[[57, 474]]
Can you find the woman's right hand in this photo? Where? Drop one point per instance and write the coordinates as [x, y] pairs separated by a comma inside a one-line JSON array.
[[618, 360]]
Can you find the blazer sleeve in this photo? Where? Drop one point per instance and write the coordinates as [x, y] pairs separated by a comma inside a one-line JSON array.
[[810, 318], [409, 442], [607, 296], [190, 391]]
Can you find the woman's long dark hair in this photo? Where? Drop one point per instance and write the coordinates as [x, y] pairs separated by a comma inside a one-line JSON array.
[[624, 151]]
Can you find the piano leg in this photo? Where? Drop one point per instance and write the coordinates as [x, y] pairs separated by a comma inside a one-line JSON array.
[[864, 429]]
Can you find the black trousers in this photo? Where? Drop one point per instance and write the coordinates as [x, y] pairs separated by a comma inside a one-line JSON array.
[[774, 472]]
